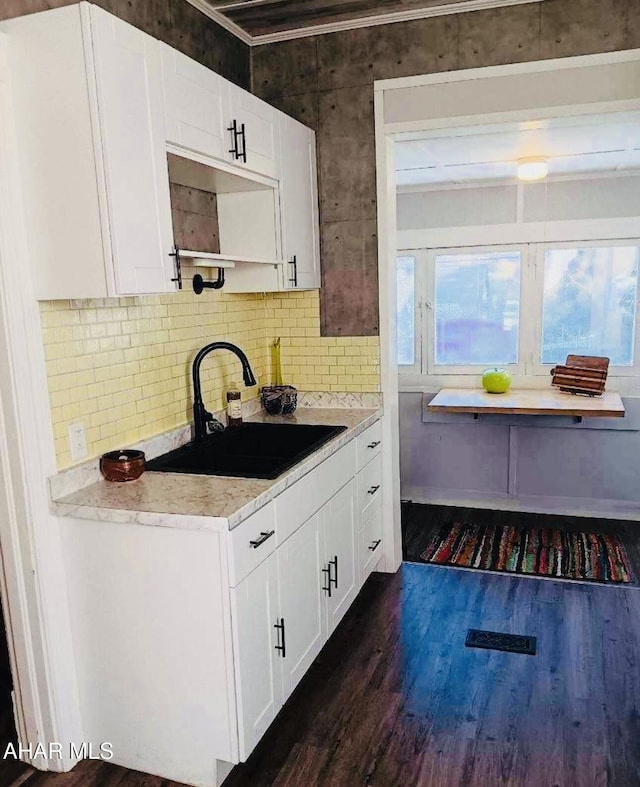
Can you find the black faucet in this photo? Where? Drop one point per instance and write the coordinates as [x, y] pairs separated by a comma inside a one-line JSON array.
[[200, 416]]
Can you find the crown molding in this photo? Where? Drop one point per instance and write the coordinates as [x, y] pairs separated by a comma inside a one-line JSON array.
[[351, 24]]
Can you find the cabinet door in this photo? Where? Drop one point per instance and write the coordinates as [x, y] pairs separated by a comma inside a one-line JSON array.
[[195, 105], [339, 526], [299, 205], [254, 608], [301, 601], [260, 139], [132, 155]]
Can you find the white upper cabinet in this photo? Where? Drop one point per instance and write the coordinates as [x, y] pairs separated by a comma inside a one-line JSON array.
[[87, 89], [252, 132], [132, 134], [99, 105], [196, 105], [299, 205]]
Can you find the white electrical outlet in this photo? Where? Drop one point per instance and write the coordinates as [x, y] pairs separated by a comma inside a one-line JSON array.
[[77, 441]]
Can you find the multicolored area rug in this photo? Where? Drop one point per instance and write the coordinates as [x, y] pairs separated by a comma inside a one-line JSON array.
[[548, 552]]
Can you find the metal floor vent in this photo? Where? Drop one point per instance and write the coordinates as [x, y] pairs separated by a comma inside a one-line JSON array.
[[494, 640]]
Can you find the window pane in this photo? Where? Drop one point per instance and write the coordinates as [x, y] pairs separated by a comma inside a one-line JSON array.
[[406, 299], [477, 308], [589, 305]]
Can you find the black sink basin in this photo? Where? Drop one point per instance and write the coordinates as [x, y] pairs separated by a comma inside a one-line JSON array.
[[253, 450]]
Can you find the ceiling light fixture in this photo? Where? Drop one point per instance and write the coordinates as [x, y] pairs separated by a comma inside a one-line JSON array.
[[533, 168]]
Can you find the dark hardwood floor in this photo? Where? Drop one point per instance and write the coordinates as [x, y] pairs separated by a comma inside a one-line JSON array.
[[420, 522], [396, 700]]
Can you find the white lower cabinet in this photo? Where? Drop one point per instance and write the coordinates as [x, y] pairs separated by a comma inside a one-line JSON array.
[[302, 616], [369, 458], [285, 610], [340, 570], [319, 565], [188, 641], [255, 612]]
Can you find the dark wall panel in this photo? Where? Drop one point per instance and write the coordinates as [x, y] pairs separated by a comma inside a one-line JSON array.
[[195, 219], [175, 22], [327, 82]]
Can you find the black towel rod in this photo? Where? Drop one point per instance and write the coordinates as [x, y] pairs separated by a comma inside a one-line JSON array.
[[199, 284]]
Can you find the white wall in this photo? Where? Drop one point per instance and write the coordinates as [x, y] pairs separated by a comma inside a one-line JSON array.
[[603, 205], [563, 468]]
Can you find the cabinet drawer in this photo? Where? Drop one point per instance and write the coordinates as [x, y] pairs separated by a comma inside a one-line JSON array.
[[369, 487], [251, 542], [370, 543], [301, 501], [369, 444]]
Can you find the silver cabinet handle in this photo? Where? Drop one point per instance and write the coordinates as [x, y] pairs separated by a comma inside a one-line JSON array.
[[264, 536], [375, 444], [373, 489]]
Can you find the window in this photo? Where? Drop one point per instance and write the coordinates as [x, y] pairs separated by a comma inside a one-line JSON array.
[[524, 307], [477, 308], [589, 303], [406, 310]]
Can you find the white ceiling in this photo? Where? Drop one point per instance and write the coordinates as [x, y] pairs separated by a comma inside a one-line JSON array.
[[588, 144]]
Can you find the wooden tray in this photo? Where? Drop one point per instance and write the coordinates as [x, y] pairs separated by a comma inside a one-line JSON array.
[[581, 374]]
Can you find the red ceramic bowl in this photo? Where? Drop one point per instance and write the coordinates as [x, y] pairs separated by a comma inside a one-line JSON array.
[[122, 465]]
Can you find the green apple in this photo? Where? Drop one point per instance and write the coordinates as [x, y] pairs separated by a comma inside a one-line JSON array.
[[496, 381]]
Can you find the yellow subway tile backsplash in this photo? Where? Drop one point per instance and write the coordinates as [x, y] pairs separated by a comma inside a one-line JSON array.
[[122, 366]]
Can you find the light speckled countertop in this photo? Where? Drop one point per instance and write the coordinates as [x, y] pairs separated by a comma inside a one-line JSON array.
[[208, 502]]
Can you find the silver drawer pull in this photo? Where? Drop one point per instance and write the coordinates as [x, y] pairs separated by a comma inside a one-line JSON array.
[[375, 545], [373, 489], [260, 541], [375, 444]]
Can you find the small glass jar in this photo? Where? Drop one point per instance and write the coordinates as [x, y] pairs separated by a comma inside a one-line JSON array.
[[234, 407]]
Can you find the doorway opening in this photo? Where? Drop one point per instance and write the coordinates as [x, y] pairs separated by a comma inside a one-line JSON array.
[[497, 272], [477, 265]]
